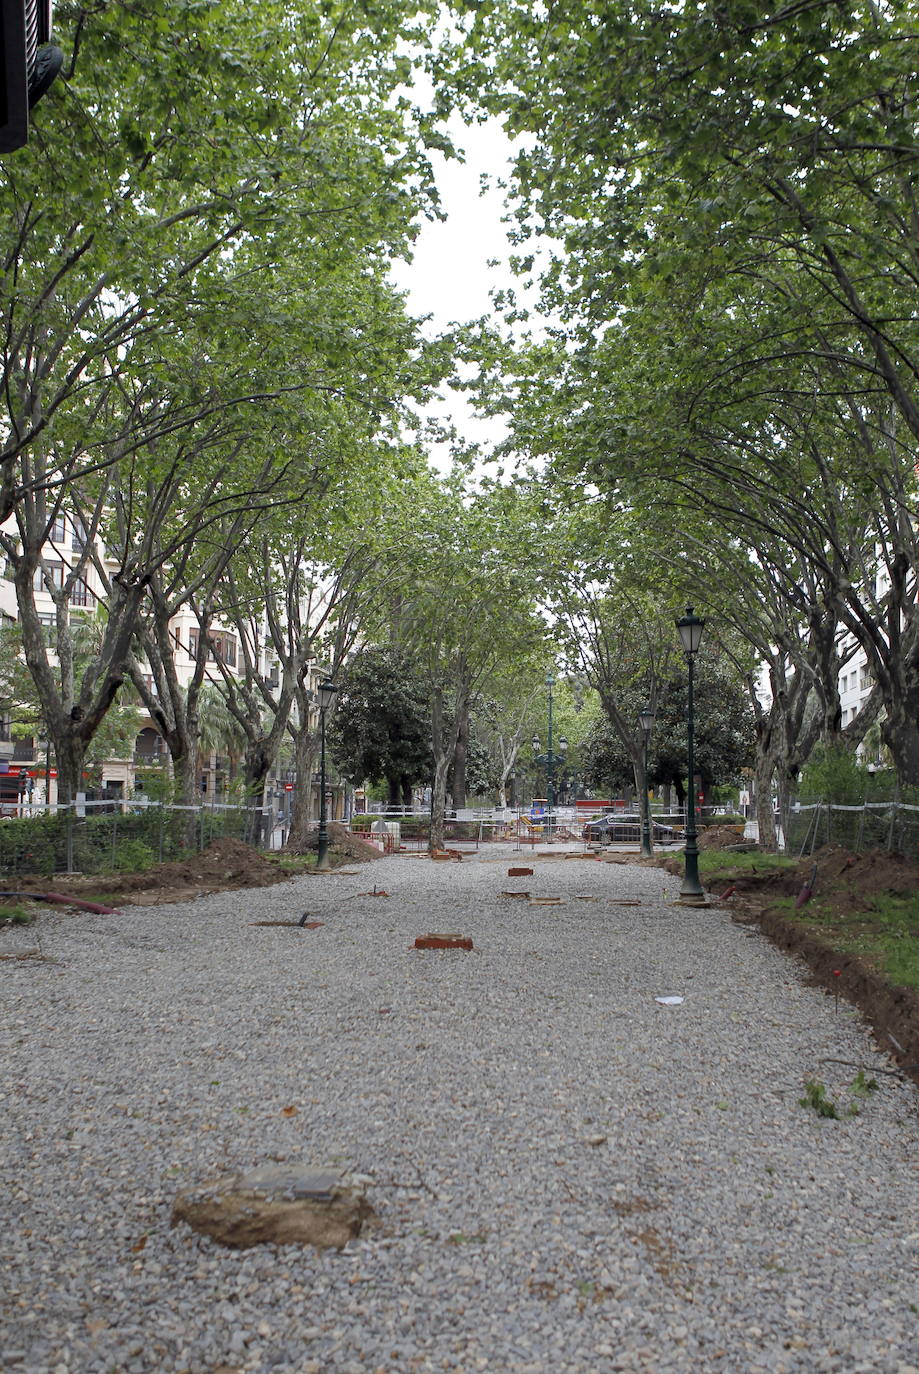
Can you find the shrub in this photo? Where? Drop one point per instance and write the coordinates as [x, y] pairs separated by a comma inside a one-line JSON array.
[[834, 774], [132, 856]]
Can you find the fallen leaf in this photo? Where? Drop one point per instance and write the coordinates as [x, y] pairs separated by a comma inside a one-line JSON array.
[[289, 1111], [136, 1249]]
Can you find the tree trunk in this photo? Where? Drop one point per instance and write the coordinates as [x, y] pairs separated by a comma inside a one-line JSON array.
[[763, 774], [393, 792], [407, 793], [439, 802], [460, 752], [442, 753], [901, 737], [185, 770], [300, 821], [70, 753], [257, 766], [641, 792]]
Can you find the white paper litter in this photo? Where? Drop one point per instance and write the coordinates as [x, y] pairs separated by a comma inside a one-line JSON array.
[[669, 1001]]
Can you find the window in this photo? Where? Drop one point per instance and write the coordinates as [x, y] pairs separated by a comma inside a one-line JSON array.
[[48, 623], [58, 529], [80, 595], [865, 680], [54, 570], [148, 747], [78, 537], [222, 646]]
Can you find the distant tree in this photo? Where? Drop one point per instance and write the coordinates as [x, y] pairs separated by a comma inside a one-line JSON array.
[[723, 734], [482, 775], [381, 728]]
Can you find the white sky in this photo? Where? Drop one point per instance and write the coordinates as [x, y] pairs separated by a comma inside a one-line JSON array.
[[449, 278]]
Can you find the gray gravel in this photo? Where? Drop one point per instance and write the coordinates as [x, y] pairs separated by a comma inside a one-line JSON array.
[[568, 1175]]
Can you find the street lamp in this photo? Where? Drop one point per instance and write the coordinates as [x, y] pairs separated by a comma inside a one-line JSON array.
[[690, 628], [549, 759], [327, 692], [646, 721]]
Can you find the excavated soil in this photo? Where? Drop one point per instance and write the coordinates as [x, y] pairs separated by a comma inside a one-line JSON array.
[[225, 863], [843, 884], [722, 837], [341, 842]]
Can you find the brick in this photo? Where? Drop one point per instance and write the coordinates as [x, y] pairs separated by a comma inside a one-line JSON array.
[[443, 942]]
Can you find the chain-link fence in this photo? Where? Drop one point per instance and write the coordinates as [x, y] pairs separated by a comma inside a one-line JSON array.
[[892, 825], [121, 837]]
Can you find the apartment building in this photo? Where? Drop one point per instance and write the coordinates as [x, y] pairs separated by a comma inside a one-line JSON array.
[[27, 773]]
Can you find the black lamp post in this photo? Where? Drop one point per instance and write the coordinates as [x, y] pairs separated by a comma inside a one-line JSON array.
[[690, 628], [646, 721], [327, 692], [549, 759]]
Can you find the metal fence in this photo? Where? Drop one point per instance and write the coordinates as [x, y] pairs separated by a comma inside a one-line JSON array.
[[112, 837], [892, 825], [409, 830]]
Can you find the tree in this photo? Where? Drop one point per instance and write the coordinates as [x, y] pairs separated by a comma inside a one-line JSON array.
[[381, 728], [195, 304], [723, 734], [505, 721], [751, 143], [481, 777], [468, 604], [735, 198], [242, 142], [219, 731]]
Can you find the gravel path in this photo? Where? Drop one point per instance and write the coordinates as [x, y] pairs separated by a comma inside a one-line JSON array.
[[569, 1176]]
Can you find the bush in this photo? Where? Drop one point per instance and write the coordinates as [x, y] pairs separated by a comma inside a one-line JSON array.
[[132, 856], [101, 842], [835, 775]]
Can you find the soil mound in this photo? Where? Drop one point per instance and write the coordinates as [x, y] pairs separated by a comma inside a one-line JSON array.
[[352, 847], [225, 863], [842, 877], [722, 837]]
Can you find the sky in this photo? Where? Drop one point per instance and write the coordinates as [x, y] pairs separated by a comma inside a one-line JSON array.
[[449, 278]]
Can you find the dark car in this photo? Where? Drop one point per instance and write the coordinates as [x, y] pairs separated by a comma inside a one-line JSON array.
[[624, 826]]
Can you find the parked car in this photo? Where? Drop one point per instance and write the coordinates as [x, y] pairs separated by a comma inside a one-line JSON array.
[[625, 826]]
